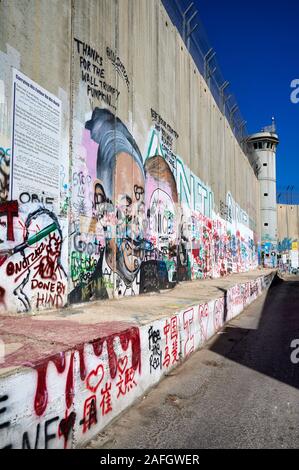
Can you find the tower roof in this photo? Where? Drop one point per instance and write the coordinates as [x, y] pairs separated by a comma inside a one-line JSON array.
[[269, 136]]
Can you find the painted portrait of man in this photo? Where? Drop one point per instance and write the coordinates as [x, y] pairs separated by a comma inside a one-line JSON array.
[[121, 179], [119, 188]]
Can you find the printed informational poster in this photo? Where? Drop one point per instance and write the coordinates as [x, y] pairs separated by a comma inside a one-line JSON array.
[[35, 156]]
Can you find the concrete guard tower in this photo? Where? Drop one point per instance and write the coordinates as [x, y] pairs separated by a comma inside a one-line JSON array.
[[262, 150]]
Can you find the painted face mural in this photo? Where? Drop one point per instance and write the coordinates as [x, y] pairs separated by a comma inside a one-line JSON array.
[[161, 204], [162, 219], [133, 219], [109, 241], [120, 178]]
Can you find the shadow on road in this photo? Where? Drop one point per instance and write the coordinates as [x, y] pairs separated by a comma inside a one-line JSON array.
[[267, 349]]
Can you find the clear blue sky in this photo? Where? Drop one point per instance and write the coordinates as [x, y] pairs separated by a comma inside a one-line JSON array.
[[257, 44]]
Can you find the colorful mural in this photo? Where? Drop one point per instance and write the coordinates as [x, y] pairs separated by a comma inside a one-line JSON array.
[[137, 225], [142, 225], [123, 216]]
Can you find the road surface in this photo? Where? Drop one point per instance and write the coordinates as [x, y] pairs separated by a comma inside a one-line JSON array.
[[240, 391]]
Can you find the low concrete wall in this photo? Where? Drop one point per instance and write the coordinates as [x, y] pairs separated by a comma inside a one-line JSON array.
[[64, 400]]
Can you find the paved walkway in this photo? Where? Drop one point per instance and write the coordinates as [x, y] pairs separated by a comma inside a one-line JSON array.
[[30, 339], [240, 391]]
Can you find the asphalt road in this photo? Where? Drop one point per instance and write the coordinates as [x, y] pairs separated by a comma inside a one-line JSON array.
[[240, 391]]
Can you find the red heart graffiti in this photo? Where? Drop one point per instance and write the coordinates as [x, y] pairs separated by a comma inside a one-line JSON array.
[[98, 373], [122, 364]]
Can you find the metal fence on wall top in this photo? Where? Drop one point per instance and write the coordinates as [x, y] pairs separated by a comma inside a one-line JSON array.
[[185, 17]]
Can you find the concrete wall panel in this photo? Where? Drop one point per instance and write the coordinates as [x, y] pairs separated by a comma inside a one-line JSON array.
[[155, 187]]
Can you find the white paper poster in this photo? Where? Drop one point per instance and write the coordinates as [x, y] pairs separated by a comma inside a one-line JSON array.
[[34, 175]]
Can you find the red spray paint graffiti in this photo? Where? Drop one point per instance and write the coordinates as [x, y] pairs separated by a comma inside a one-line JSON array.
[[171, 332], [218, 313], [90, 415], [188, 320], [126, 337], [203, 316], [10, 209]]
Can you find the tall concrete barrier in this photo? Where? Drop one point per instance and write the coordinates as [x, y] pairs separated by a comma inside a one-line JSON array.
[[119, 175], [61, 398]]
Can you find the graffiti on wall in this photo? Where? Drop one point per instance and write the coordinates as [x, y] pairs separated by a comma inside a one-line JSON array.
[[118, 66], [162, 140], [108, 373], [70, 396], [146, 225], [31, 256], [4, 173], [33, 241], [137, 226], [285, 244], [93, 73], [138, 222]]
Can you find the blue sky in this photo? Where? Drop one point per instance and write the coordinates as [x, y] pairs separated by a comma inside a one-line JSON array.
[[257, 44]]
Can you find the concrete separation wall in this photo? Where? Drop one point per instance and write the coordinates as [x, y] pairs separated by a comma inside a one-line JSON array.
[[63, 399], [288, 226], [119, 175], [288, 236]]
